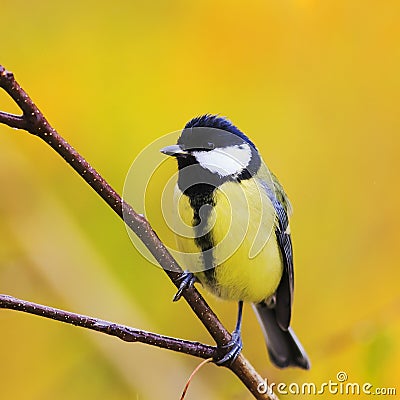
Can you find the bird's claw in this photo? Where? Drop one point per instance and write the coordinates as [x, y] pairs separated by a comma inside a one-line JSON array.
[[230, 351], [187, 280]]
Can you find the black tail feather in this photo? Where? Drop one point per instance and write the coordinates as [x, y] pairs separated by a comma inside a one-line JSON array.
[[283, 346]]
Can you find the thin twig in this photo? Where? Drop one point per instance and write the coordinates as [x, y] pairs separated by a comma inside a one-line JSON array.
[[195, 371], [33, 121], [122, 332]]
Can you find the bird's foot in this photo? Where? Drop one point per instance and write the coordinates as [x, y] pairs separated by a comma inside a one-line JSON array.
[[228, 353], [187, 280]]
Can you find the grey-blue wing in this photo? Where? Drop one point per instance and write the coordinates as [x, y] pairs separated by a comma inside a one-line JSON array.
[[284, 293]]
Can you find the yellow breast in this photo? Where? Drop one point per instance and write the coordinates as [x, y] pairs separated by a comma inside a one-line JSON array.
[[246, 256]]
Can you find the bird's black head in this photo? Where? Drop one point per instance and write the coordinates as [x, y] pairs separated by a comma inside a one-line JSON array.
[[220, 133], [211, 151]]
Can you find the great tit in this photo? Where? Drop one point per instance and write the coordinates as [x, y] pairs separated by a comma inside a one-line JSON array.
[[237, 242]]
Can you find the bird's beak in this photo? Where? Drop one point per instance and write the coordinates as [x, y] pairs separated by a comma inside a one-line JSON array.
[[174, 151]]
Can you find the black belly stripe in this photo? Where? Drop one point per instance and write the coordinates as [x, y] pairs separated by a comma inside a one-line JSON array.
[[204, 241]]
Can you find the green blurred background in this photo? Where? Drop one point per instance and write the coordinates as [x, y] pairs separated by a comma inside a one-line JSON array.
[[314, 83]]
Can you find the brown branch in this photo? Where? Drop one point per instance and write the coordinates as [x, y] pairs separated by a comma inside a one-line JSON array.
[[33, 121], [14, 121], [123, 332]]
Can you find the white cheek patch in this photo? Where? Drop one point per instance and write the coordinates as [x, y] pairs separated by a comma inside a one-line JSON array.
[[231, 160]]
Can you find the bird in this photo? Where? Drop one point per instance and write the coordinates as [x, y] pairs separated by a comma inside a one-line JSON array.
[[236, 242]]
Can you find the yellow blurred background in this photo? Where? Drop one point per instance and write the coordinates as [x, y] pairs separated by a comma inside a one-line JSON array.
[[315, 84]]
